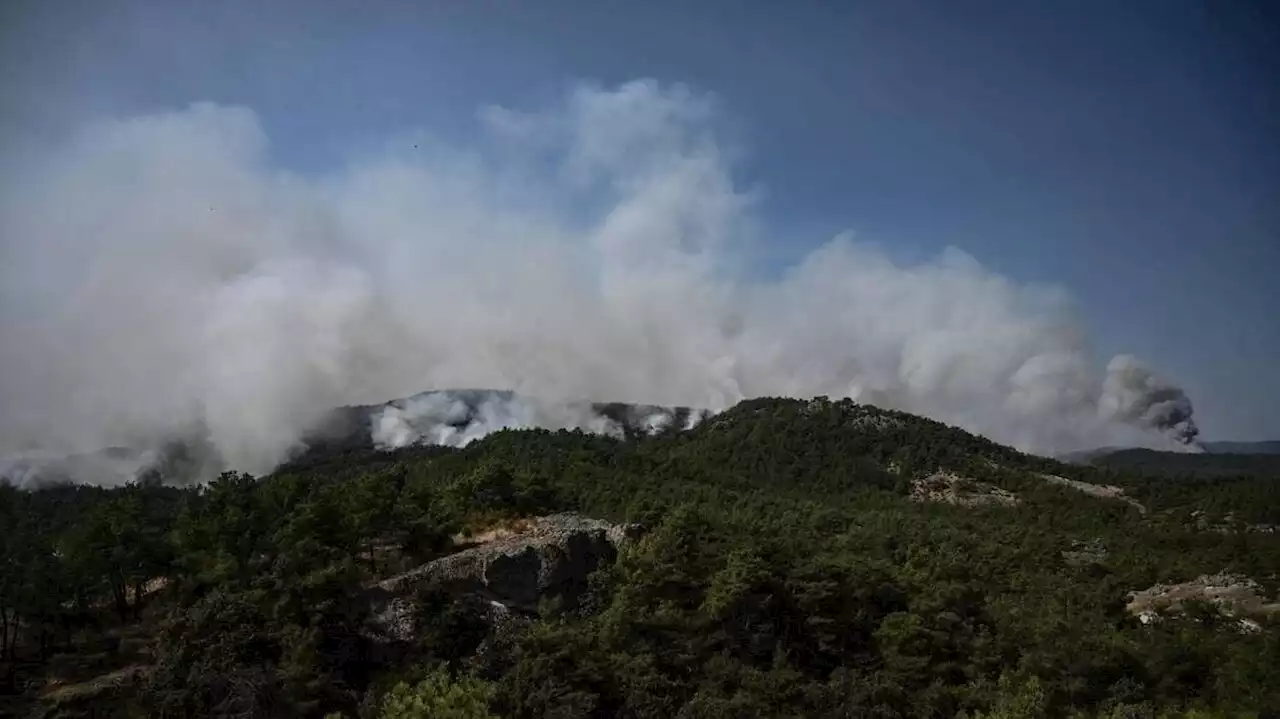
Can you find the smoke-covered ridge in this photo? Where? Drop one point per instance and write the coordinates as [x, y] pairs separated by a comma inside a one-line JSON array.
[[162, 275]]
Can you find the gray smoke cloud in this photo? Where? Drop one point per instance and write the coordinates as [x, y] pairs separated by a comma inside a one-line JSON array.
[[1133, 393], [29, 469], [456, 418], [162, 272], [449, 419]]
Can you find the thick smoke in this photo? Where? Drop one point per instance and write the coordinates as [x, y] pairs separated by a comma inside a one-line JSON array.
[[162, 273], [456, 419], [111, 466], [1133, 393]]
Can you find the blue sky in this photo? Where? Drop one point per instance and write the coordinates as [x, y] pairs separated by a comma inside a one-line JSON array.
[[1127, 151]]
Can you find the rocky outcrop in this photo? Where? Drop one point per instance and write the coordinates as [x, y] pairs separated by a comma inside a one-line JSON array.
[[1229, 524], [1101, 491], [548, 557], [1233, 595], [1083, 553], [953, 489]]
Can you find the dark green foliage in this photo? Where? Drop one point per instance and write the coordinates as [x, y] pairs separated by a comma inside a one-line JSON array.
[[1151, 462], [784, 572], [438, 696]]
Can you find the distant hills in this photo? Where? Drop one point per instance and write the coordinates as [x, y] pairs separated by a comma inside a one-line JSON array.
[[1213, 463], [454, 418], [451, 417], [1269, 447], [1215, 455]]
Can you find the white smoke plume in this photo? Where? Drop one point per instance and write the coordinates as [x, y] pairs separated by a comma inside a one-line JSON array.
[[161, 272], [657, 422], [105, 467], [446, 418]]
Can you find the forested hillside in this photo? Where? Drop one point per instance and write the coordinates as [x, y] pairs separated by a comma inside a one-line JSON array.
[[787, 563], [1179, 464]]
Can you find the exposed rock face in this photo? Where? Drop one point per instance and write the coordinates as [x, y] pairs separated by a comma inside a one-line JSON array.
[[1101, 491], [88, 698], [1229, 524], [1082, 553], [550, 558], [1234, 596], [953, 489]]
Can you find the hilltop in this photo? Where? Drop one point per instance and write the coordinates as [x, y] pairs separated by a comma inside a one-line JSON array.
[[456, 416]]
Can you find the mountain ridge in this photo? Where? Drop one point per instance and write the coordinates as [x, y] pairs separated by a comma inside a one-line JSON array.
[[456, 417], [1231, 447]]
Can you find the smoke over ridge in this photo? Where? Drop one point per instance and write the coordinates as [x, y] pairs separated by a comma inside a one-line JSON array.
[[162, 276], [455, 418], [449, 419]]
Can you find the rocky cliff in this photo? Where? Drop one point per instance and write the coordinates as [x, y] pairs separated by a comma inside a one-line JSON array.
[[950, 488], [549, 558]]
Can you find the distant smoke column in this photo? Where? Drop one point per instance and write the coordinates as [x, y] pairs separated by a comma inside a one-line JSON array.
[[456, 420], [431, 418], [656, 422], [696, 417], [392, 428], [1133, 393]]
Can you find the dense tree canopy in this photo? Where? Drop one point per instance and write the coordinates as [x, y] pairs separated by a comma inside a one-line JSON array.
[[785, 571]]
